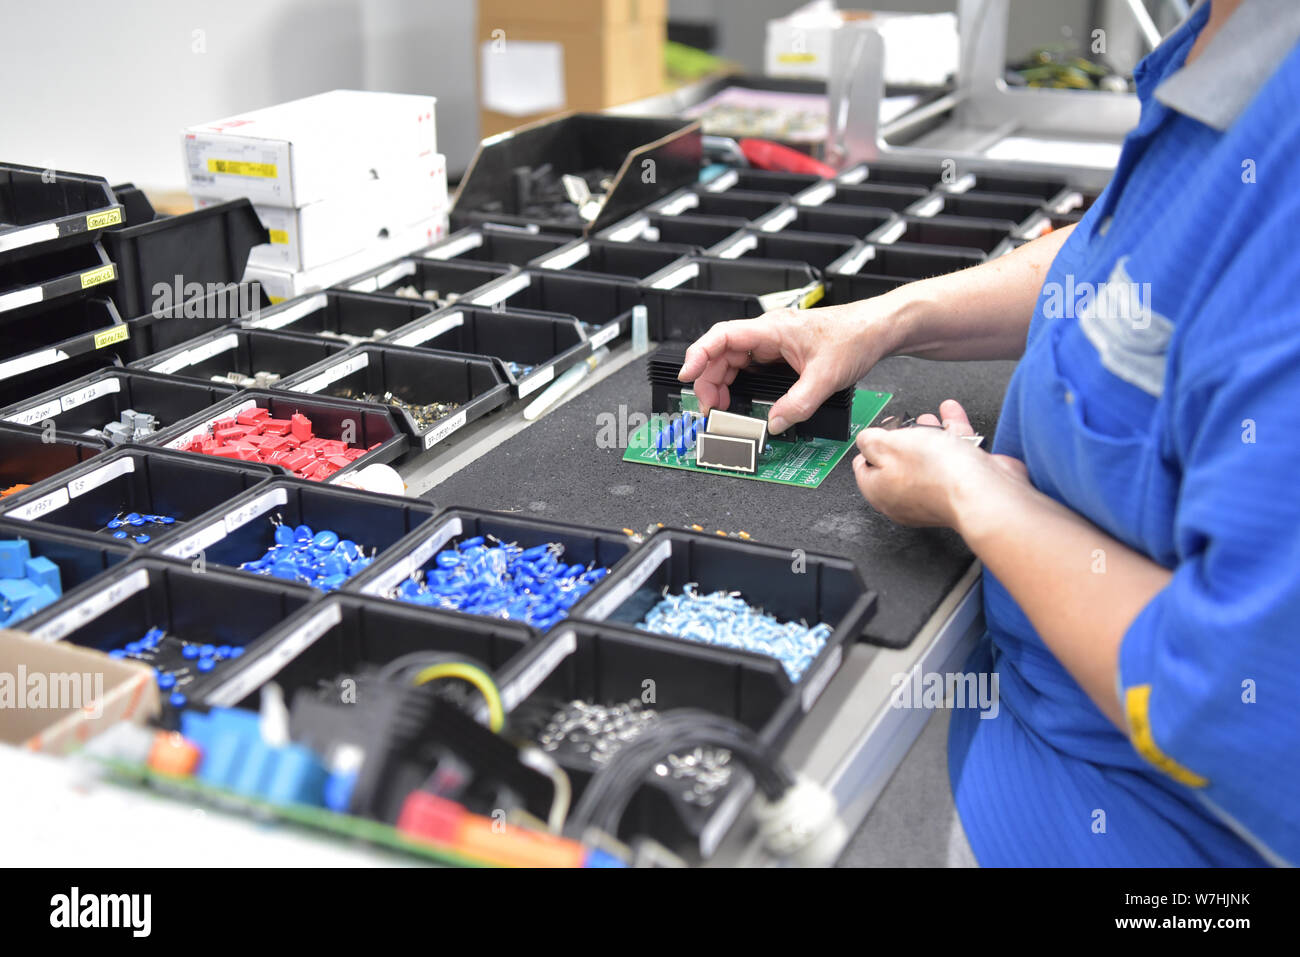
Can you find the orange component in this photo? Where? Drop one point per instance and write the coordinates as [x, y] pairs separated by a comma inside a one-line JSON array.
[[174, 754], [428, 817], [510, 846], [13, 489]]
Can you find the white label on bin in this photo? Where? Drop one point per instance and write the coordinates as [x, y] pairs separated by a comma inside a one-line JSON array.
[[963, 185], [97, 477], [1035, 226], [854, 264], [892, 234], [455, 247], [332, 374], [432, 330], [567, 258], [606, 335], [192, 544], [204, 427], [677, 277], [675, 207], [290, 313], [93, 606], [621, 591], [779, 220], [289, 647], [394, 273], [250, 510], [21, 297], [37, 413], [854, 176], [720, 184], [725, 816], [816, 195], [632, 230], [541, 668], [416, 559], [444, 429], [929, 207], [196, 354], [537, 380], [33, 360], [494, 294], [41, 506], [744, 244], [25, 237], [1069, 202], [90, 393], [814, 686]]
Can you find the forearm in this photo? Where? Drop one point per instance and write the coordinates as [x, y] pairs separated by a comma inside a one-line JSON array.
[[1080, 588], [978, 313]]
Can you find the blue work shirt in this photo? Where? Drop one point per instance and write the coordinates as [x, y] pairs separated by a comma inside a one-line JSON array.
[[1159, 397]]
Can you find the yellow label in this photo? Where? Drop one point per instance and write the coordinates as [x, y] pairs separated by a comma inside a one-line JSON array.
[[1137, 703], [112, 217], [117, 334], [813, 297], [279, 236], [96, 276], [796, 57], [274, 300], [240, 168]]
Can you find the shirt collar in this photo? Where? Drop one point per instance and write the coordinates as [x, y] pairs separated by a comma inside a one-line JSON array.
[[1218, 85]]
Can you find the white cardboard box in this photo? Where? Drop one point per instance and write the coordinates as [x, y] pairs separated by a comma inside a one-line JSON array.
[[281, 284], [920, 49], [300, 152], [347, 222]]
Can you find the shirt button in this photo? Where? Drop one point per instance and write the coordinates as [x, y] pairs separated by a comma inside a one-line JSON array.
[[1069, 397]]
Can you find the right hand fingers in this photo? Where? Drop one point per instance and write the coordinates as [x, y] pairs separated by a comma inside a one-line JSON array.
[[800, 401]]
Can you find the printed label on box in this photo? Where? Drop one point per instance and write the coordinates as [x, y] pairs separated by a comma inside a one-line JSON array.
[[563, 645], [444, 429], [92, 607], [100, 476], [432, 330], [41, 506], [621, 591], [91, 392], [284, 651]]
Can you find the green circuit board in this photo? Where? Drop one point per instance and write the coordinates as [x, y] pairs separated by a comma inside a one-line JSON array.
[[804, 462]]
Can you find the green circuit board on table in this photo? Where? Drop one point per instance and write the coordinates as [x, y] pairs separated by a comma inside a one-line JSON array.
[[804, 462]]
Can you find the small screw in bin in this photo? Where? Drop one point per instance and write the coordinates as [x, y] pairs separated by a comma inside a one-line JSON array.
[[533, 347], [790, 584], [209, 610], [86, 498], [418, 551], [447, 280], [246, 527], [45, 210], [435, 393], [251, 353], [348, 317], [342, 634]]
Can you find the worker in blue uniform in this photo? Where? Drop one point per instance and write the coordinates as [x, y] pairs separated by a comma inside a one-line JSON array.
[[1139, 519]]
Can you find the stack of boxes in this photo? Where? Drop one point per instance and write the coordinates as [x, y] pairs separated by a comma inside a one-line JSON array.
[[343, 181]]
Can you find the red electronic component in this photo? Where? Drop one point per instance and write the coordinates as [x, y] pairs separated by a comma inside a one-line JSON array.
[[276, 426], [300, 427], [765, 154], [254, 436]]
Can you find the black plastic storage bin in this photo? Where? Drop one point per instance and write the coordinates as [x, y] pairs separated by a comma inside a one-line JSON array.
[[89, 403], [1002, 182], [979, 205], [246, 351], [697, 231], [913, 260], [373, 426], [211, 606], [79, 560], [502, 245], [549, 342], [331, 315], [85, 498], [955, 232], [605, 257], [416, 376], [733, 204], [27, 458], [847, 287], [854, 221], [603, 305], [874, 195], [891, 172], [32, 284], [136, 205], [243, 529], [820, 252], [43, 210], [685, 299], [608, 664], [449, 279], [67, 329], [761, 181], [828, 589], [342, 634], [177, 319], [416, 552], [209, 245]]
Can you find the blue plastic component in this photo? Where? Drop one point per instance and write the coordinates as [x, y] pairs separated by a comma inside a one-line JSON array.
[[14, 555], [598, 858], [44, 572]]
